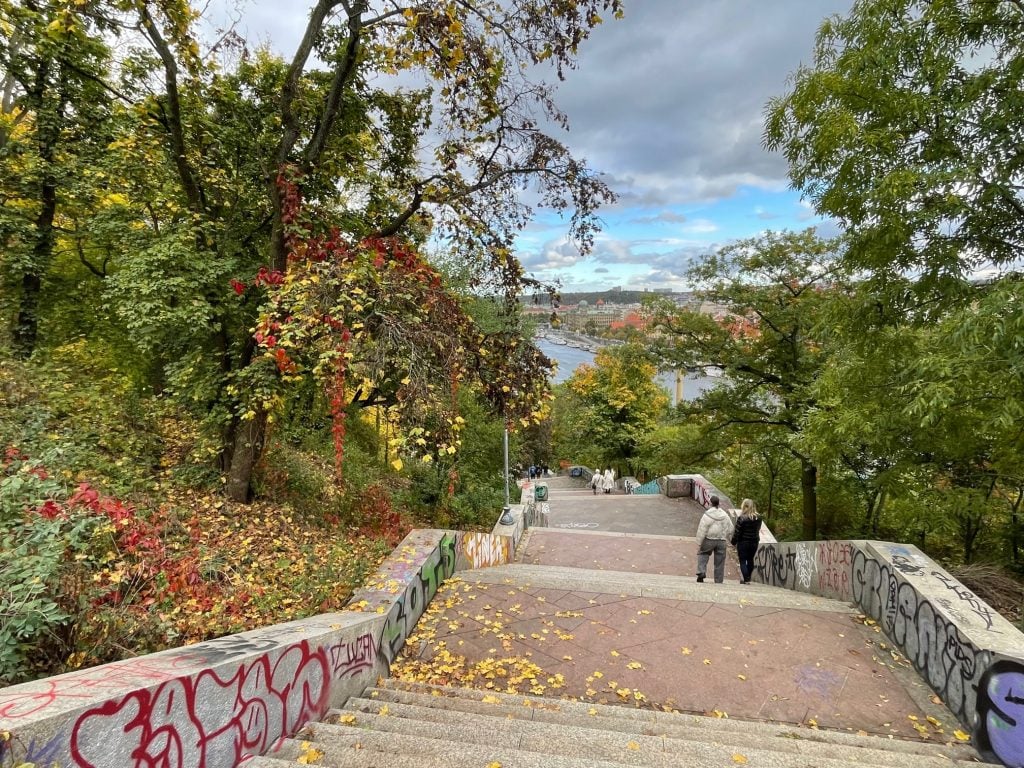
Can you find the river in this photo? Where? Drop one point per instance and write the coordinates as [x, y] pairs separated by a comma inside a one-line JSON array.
[[569, 358]]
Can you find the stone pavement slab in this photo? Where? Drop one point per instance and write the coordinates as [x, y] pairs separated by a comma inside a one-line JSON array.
[[603, 551], [736, 658], [580, 510]]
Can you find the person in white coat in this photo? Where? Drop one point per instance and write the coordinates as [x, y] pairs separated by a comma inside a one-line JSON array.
[[596, 481], [714, 530], [609, 480]]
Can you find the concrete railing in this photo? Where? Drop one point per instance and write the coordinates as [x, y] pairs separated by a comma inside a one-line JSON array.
[[971, 656], [217, 703]]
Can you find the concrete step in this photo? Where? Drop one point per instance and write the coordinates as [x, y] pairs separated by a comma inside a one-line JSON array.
[[462, 702], [650, 585], [514, 727], [347, 747]]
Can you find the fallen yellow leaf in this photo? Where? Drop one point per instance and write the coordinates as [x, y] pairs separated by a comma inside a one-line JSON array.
[[742, 677], [347, 719], [632, 745], [738, 758], [961, 736]]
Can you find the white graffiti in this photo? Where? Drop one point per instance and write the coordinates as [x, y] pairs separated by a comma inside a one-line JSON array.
[[484, 550], [804, 566]]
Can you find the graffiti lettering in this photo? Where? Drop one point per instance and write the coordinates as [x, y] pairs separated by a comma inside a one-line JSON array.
[[483, 550], [207, 720], [980, 609], [222, 649], [351, 658], [804, 566], [774, 567], [906, 565], [1000, 714]]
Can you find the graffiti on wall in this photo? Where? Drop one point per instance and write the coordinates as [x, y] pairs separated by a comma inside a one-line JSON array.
[[804, 566], [407, 609], [835, 561], [483, 550], [775, 567], [702, 492], [1001, 711], [214, 717], [950, 663], [207, 719]]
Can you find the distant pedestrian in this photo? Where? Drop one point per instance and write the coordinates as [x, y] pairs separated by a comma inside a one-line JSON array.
[[595, 481], [714, 530], [533, 471], [747, 538], [608, 482]]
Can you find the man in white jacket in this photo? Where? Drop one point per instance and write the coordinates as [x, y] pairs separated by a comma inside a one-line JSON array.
[[714, 531]]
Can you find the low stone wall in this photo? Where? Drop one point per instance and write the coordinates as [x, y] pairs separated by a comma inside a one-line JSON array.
[[700, 489], [971, 656], [214, 704]]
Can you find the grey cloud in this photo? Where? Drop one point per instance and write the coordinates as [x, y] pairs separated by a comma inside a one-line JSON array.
[[676, 91], [665, 217]]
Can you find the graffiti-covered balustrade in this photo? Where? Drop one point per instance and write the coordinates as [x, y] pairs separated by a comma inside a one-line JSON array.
[[216, 704], [971, 656]]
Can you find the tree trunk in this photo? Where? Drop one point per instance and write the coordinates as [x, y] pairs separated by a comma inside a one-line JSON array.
[[809, 489], [26, 329], [249, 438]]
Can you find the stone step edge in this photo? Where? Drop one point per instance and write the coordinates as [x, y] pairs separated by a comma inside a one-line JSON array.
[[339, 739], [676, 740], [634, 749], [663, 719], [651, 585]]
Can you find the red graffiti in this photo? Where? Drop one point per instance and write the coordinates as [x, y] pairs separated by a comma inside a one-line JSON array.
[[88, 684], [834, 553], [206, 720], [835, 580]]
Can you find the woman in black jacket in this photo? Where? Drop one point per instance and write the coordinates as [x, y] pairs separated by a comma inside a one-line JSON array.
[[746, 537]]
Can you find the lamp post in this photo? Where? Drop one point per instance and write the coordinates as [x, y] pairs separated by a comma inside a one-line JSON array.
[[506, 512]]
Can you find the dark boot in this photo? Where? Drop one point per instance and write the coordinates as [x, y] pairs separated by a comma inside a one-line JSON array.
[[700, 578]]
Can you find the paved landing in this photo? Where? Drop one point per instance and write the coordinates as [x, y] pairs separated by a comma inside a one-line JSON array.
[[572, 506], [603, 551], [725, 655]]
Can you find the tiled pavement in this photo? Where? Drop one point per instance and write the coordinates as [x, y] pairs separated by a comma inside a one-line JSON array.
[[727, 650]]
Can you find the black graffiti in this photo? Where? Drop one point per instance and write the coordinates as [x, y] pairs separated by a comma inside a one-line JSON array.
[[439, 566], [775, 567], [1000, 721], [934, 645], [906, 565], [227, 648], [979, 608]]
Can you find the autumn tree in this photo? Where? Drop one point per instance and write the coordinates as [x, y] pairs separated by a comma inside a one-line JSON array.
[[357, 153], [904, 129], [54, 107], [607, 408], [766, 338]]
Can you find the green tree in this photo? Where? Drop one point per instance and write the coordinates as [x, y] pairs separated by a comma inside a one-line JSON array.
[[609, 407], [352, 150], [904, 129], [767, 339], [54, 110]]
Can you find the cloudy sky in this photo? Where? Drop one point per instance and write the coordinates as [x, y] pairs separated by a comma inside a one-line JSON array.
[[668, 104]]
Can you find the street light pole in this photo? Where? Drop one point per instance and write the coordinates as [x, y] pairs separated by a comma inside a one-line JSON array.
[[506, 512]]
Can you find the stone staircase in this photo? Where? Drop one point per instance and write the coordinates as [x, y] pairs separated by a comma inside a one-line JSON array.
[[400, 725]]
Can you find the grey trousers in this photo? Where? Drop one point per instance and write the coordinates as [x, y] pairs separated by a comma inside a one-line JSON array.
[[718, 547]]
